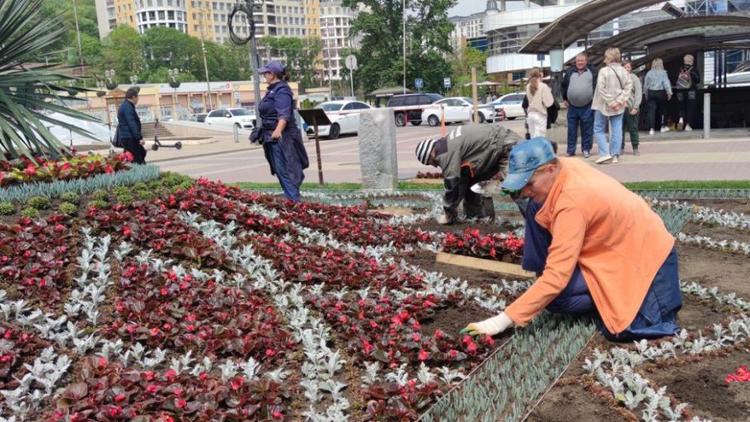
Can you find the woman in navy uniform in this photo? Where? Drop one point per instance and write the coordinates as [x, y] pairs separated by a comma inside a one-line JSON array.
[[281, 138]]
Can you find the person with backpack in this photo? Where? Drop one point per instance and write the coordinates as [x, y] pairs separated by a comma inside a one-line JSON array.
[[686, 88], [613, 89], [128, 134]]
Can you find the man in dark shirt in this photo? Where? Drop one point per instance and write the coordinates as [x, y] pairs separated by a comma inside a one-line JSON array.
[[129, 127]]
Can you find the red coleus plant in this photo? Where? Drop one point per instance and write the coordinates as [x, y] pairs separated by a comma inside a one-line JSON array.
[[107, 391], [34, 256], [150, 224], [351, 224], [498, 246], [742, 374], [181, 313]]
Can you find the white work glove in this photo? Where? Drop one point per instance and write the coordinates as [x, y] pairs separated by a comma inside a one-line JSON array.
[[443, 219], [491, 326]]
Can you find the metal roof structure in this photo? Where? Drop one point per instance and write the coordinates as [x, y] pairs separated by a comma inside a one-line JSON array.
[[637, 37], [675, 53], [577, 23]]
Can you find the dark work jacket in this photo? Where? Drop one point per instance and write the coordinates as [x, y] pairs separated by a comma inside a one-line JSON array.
[[128, 123], [278, 103], [479, 151], [569, 72]]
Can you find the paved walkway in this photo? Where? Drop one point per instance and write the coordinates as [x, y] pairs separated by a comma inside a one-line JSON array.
[[662, 158]]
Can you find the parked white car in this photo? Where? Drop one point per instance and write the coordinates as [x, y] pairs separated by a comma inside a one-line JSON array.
[[344, 117], [510, 104], [229, 117], [457, 109]]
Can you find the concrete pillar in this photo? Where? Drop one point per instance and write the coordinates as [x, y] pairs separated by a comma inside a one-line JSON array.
[[706, 115], [377, 150]]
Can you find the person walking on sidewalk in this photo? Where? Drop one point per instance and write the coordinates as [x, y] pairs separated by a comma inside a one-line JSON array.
[[580, 223], [468, 155], [613, 89], [658, 91], [128, 131], [539, 96], [631, 115], [578, 87], [282, 143]]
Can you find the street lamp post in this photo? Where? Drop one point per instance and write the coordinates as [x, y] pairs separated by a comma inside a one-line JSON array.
[[174, 83], [403, 19]]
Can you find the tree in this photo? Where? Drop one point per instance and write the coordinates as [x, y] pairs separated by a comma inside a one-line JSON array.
[[380, 27], [463, 60], [122, 51], [26, 95], [65, 46], [302, 56], [169, 48]]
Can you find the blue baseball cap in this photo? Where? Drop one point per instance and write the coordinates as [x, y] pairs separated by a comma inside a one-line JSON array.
[[524, 159], [273, 66]]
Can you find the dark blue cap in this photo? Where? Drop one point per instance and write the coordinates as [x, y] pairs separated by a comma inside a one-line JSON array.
[[273, 66], [524, 159]]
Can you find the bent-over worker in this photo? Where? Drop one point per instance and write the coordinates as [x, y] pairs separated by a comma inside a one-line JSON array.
[[597, 246], [468, 155]]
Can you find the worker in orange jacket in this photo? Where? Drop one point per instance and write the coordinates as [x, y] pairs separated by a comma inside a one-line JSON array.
[[597, 246]]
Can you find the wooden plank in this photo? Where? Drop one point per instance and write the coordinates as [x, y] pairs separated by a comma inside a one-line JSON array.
[[483, 264], [394, 211]]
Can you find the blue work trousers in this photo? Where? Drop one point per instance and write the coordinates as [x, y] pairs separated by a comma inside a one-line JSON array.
[[583, 118], [657, 316], [289, 183]]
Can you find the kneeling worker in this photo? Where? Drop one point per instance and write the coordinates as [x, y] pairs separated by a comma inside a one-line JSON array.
[[598, 247], [468, 155]]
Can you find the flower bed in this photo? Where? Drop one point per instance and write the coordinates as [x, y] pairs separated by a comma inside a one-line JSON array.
[[209, 303]]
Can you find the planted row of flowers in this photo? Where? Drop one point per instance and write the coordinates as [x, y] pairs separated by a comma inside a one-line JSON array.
[[496, 246], [24, 170]]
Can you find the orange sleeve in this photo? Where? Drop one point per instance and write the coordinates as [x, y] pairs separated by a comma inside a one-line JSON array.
[[568, 230]]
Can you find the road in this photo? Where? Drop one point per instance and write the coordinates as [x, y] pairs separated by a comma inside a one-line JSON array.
[[661, 159]]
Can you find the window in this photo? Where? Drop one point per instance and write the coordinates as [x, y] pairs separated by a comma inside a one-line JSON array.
[[161, 15], [360, 106], [160, 3], [331, 106], [349, 106], [411, 100]]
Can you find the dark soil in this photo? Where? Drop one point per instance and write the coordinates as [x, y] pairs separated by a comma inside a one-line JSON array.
[[740, 205], [475, 278], [710, 268], [454, 319], [566, 403], [717, 232], [702, 385], [698, 315]]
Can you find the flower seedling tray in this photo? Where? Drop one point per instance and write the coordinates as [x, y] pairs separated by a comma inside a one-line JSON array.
[[483, 264]]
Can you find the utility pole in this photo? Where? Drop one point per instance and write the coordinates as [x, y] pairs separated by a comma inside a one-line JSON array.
[[78, 36], [205, 62]]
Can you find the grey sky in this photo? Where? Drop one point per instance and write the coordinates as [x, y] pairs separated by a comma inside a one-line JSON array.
[[467, 7]]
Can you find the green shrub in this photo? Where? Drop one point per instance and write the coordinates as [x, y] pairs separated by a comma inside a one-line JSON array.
[[140, 186], [122, 190], [68, 208], [175, 179], [30, 212], [7, 208], [187, 184], [38, 202], [71, 197], [144, 194], [98, 203], [100, 195], [125, 197]]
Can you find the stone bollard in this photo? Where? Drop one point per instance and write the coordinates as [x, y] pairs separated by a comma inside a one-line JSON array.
[[377, 150], [707, 115]]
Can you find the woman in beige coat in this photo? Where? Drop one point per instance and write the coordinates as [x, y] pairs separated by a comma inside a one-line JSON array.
[[613, 89]]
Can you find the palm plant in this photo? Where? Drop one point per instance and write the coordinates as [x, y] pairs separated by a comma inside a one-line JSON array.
[[28, 95]]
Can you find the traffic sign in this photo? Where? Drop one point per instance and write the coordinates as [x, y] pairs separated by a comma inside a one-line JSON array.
[[419, 83], [351, 62], [540, 57], [447, 82]]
